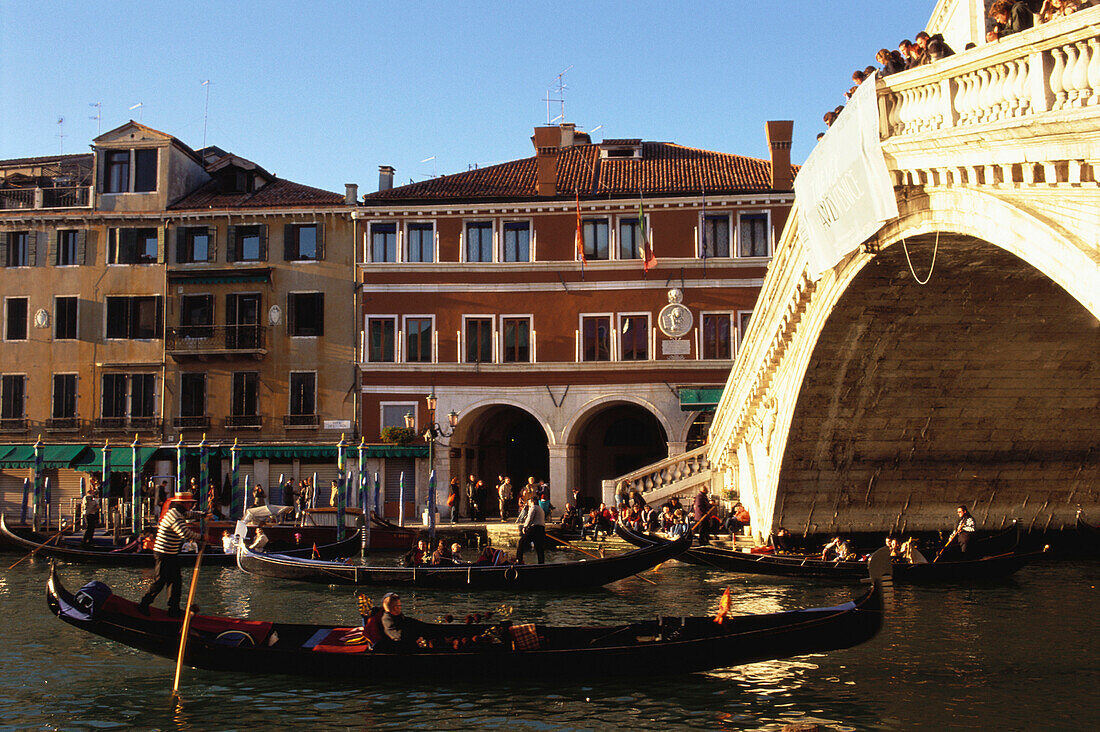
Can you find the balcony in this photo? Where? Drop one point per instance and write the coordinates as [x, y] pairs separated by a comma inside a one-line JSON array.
[[128, 424], [42, 198], [13, 424], [63, 424], [301, 421], [244, 422], [200, 341], [191, 423]]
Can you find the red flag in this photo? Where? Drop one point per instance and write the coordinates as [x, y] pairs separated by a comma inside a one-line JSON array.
[[723, 607], [316, 554], [649, 259], [580, 234]]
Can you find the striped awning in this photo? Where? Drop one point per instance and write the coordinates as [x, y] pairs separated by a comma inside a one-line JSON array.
[[53, 456], [121, 459]]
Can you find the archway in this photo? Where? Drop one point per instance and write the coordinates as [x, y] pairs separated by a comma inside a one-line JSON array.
[[506, 440], [615, 440]]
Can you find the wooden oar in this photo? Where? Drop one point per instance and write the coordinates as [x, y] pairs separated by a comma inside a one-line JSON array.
[[949, 540], [187, 618], [35, 550], [708, 513], [582, 551]]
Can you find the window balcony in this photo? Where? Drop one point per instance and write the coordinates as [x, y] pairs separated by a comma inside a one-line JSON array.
[[111, 424], [217, 340], [301, 421], [39, 198], [63, 424], [244, 422], [128, 424], [145, 424], [191, 423], [13, 424]]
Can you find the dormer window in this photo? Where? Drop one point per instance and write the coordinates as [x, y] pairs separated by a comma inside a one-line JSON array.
[[235, 180], [621, 149], [117, 168]]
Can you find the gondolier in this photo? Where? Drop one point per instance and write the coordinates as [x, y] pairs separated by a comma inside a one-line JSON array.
[[533, 529], [964, 530], [89, 509], [172, 531]]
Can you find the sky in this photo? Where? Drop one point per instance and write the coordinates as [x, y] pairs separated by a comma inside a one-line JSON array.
[[322, 93]]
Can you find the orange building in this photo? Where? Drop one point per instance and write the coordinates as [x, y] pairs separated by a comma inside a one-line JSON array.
[[570, 368]]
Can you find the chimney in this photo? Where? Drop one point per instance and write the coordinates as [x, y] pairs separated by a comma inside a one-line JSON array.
[[351, 193], [548, 142], [779, 142], [385, 177]]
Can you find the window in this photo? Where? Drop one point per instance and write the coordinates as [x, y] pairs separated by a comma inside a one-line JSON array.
[[143, 398], [113, 397], [716, 336], [418, 340], [306, 314], [479, 241], [248, 243], [145, 171], [393, 415], [15, 319], [596, 338], [595, 239], [192, 395], [302, 243], [18, 249], [517, 241], [743, 321], [116, 174], [196, 316], [383, 242], [133, 246], [128, 395], [242, 320], [630, 238], [13, 392], [517, 339], [64, 396], [380, 335], [303, 392], [634, 337], [479, 340], [716, 235], [64, 318], [193, 244], [246, 392], [68, 248], [135, 318], [752, 235], [421, 243]]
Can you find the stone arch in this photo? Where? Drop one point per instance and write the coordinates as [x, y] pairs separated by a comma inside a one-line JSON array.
[[593, 406], [474, 410]]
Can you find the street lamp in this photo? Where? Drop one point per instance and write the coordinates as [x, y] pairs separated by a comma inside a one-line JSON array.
[[432, 432]]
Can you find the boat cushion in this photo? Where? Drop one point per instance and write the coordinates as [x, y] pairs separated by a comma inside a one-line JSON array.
[[339, 640], [525, 637]]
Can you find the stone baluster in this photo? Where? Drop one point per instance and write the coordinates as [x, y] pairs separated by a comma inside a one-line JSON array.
[[1068, 76], [903, 112], [1022, 100], [1056, 73], [1081, 90], [962, 92], [1012, 101], [1093, 72], [932, 106], [1004, 89], [982, 97]]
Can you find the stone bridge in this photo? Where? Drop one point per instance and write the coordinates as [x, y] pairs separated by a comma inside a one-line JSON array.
[[865, 400]]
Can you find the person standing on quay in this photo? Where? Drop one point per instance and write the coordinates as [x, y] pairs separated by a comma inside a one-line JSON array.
[[471, 500], [703, 509], [533, 530], [506, 496], [453, 498], [89, 509], [172, 531]]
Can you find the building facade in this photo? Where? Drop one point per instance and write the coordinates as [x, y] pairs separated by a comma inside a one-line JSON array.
[[523, 297]]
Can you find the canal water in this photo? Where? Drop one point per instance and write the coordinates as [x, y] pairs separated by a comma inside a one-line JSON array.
[[1014, 654]]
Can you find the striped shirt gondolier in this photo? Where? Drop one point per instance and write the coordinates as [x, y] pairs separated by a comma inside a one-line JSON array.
[[172, 531]]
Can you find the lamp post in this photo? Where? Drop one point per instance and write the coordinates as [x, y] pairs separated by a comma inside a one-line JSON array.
[[432, 432], [341, 485], [204, 473], [135, 488], [38, 487]]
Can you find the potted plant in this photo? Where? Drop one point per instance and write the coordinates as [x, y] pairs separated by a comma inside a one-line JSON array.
[[398, 435]]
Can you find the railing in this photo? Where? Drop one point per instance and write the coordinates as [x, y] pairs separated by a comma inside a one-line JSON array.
[[127, 424], [1049, 68], [191, 423], [200, 339], [244, 422], [301, 421], [13, 424], [65, 197], [668, 472], [63, 424]]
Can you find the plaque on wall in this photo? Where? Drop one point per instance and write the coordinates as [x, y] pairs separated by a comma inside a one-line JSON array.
[[675, 319], [676, 348]]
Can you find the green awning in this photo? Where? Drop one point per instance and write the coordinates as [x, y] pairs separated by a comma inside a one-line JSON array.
[[692, 400], [328, 452], [53, 456], [20, 456], [121, 456], [5, 450]]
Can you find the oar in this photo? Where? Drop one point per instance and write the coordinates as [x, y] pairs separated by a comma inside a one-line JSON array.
[[187, 618], [35, 551], [949, 540], [582, 551], [708, 513]]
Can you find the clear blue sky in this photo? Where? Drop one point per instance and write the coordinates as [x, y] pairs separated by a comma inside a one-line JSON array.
[[324, 92]]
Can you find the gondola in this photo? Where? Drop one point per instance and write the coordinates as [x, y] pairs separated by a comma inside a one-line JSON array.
[[582, 574], [1087, 538], [780, 565], [675, 645], [213, 556]]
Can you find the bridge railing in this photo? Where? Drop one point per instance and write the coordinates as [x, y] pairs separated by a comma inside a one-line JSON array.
[[1052, 67], [678, 469]]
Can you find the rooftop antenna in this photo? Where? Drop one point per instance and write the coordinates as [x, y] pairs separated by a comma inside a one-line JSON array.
[[595, 129], [205, 114], [428, 160], [560, 88], [141, 107], [61, 135], [98, 117]]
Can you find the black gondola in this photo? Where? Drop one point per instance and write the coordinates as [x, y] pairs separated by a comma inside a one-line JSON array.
[[213, 556], [582, 574], [781, 565], [672, 644]]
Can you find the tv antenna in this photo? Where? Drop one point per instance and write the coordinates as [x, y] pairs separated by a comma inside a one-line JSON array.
[[428, 160], [61, 135], [140, 106], [559, 87], [98, 117], [205, 115]]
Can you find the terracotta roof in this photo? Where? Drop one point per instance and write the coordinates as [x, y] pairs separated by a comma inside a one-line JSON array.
[[47, 160], [276, 193], [664, 169]]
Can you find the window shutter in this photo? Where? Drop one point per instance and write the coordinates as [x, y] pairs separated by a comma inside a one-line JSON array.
[[161, 232], [289, 253], [320, 240], [180, 245], [43, 248], [53, 247], [231, 244], [82, 247], [211, 243], [263, 242], [32, 248], [320, 313], [291, 314], [160, 316], [3, 249], [231, 309]]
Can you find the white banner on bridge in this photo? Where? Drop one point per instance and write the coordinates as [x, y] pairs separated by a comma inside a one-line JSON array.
[[844, 192]]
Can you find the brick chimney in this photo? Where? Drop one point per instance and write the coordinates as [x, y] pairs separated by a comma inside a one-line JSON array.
[[385, 177], [779, 142], [351, 193], [548, 144]]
